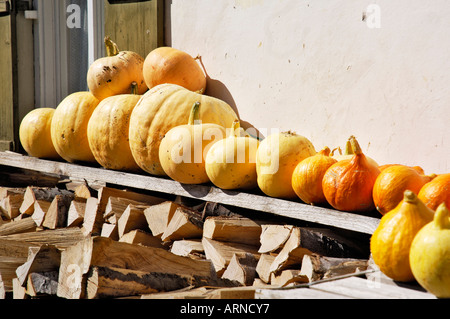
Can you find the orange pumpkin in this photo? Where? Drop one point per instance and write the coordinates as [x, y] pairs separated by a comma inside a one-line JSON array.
[[348, 184], [436, 192], [391, 184], [308, 175], [168, 65]]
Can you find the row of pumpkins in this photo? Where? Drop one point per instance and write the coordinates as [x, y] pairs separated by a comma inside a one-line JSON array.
[[152, 115]]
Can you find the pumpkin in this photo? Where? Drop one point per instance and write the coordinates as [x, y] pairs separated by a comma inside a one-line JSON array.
[[417, 168], [35, 134], [436, 192], [348, 184], [183, 149], [429, 255], [392, 182], [391, 242], [169, 65], [163, 108], [69, 127], [108, 130], [114, 74], [231, 163], [276, 159], [308, 175]]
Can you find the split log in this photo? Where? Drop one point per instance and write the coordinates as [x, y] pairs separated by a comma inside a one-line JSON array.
[[242, 268], [232, 229], [116, 206], [41, 284], [40, 210], [185, 224], [107, 282], [61, 238], [306, 241], [221, 253], [84, 191], [273, 237], [56, 216], [192, 248], [288, 277], [13, 254], [103, 252], [10, 205], [158, 216], [2, 289], [26, 225], [39, 193], [110, 231], [93, 217], [263, 267], [8, 191], [132, 218], [40, 259], [75, 215], [140, 237], [19, 292], [316, 267], [217, 210]]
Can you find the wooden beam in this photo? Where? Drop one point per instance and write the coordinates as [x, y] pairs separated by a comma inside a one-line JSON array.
[[278, 207]]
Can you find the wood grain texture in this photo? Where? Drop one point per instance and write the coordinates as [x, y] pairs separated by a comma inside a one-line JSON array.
[[295, 210]]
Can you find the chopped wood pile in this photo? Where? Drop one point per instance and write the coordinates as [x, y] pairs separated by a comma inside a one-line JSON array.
[[77, 242]]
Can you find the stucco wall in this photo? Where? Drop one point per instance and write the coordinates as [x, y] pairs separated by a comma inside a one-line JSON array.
[[328, 69]]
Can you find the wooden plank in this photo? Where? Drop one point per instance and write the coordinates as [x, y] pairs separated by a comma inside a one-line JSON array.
[[278, 207], [137, 26], [360, 288], [299, 293]]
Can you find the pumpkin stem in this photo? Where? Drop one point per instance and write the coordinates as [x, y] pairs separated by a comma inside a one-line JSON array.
[[409, 196], [325, 151], [348, 147], [111, 47], [236, 129], [336, 149], [134, 88], [195, 114], [442, 217], [355, 146]]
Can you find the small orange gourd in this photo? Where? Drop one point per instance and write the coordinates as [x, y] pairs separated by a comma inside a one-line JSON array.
[[391, 242], [308, 175], [348, 184], [168, 65], [392, 182], [436, 192]]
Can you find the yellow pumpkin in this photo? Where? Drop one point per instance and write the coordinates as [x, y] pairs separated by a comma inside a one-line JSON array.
[[277, 157], [114, 74], [169, 65], [430, 254], [231, 162], [69, 127], [35, 134], [163, 108], [183, 150], [308, 175], [108, 130], [391, 242]]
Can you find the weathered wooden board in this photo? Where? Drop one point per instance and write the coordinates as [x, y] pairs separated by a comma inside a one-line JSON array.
[[285, 208], [136, 26]]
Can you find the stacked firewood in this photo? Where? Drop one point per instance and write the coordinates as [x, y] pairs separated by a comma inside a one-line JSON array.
[[79, 242]]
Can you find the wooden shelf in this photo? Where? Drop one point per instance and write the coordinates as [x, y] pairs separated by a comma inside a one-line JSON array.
[[279, 207]]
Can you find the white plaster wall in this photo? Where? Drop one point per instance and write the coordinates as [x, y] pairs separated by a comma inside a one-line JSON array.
[[315, 67]]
